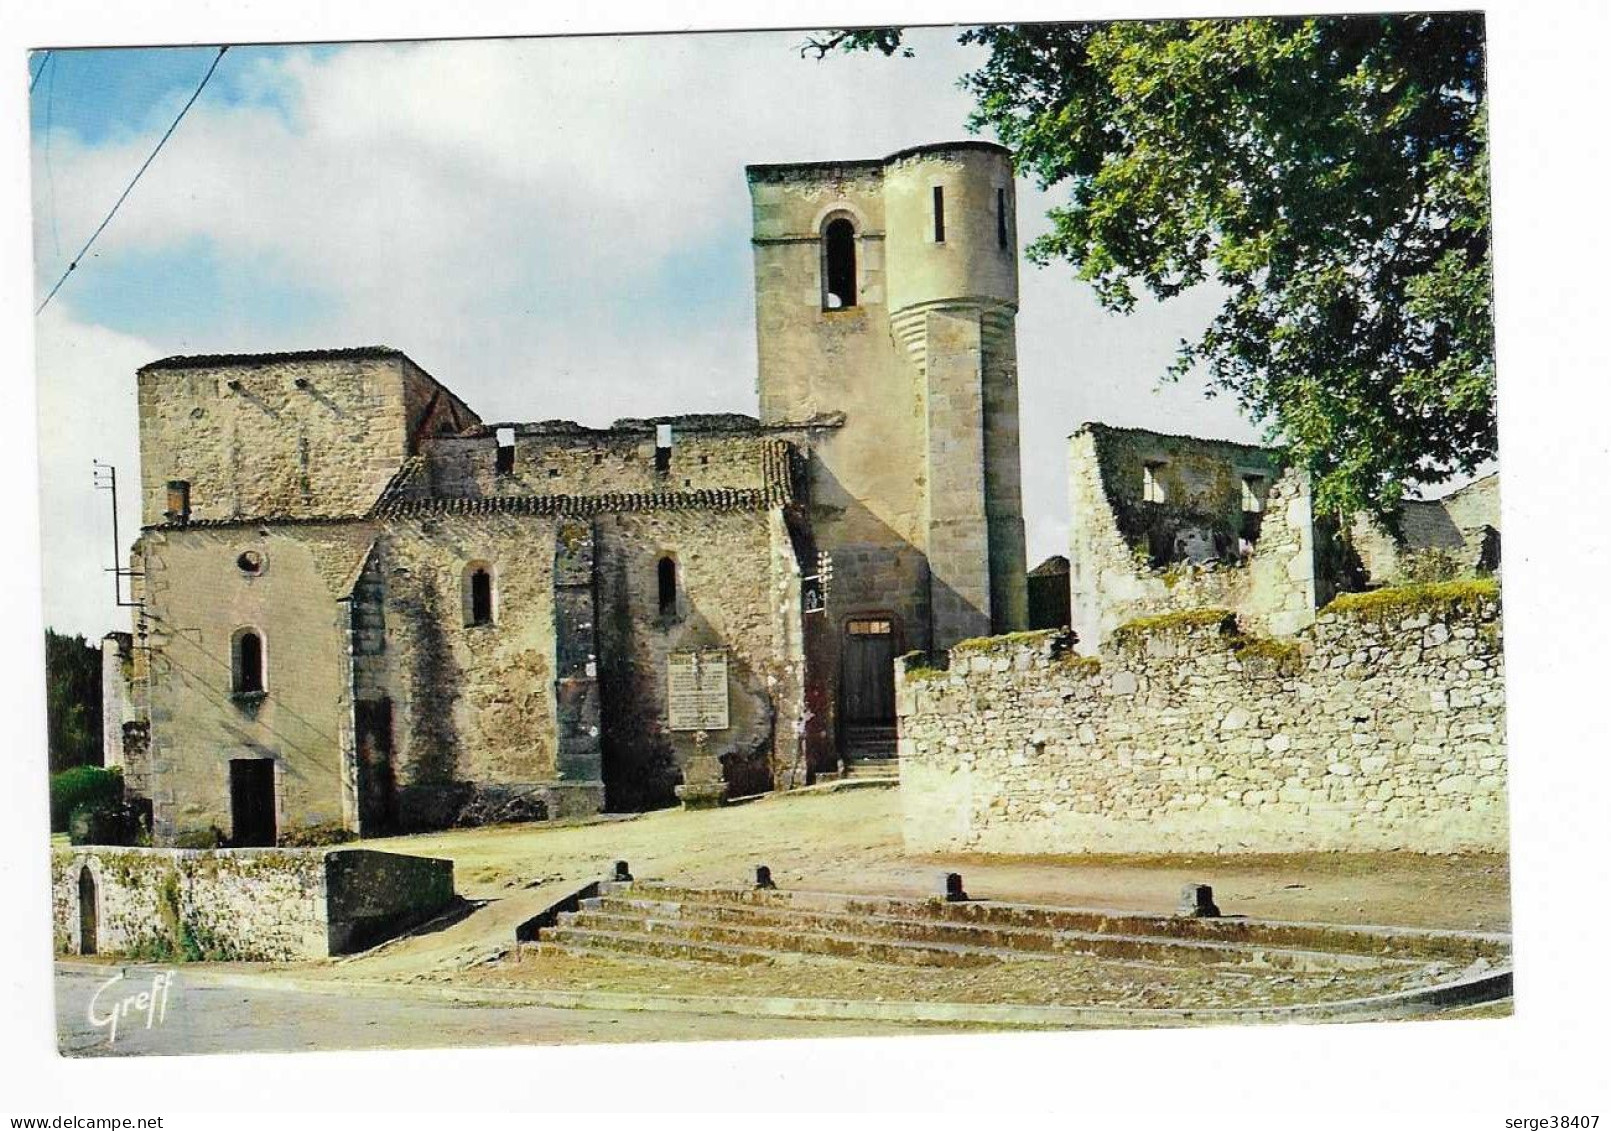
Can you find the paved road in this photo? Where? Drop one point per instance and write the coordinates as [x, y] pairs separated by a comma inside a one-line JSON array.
[[203, 1016]]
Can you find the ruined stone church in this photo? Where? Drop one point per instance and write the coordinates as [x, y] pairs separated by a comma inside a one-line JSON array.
[[362, 609], [361, 605]]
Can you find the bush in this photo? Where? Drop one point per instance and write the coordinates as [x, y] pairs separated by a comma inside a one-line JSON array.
[[212, 837], [100, 821], [316, 836], [79, 786]]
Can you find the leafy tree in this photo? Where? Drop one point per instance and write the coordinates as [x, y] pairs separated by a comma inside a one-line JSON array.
[[1329, 174], [72, 701]]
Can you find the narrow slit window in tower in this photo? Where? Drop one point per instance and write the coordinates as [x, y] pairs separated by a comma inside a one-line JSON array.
[[480, 597], [839, 253], [939, 214], [667, 577], [1001, 218], [248, 663]]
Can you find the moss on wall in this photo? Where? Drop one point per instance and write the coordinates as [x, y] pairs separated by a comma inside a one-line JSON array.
[[1439, 598]]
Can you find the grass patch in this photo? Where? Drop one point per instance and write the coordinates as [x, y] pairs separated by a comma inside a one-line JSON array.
[[1224, 619], [1464, 596], [986, 645]]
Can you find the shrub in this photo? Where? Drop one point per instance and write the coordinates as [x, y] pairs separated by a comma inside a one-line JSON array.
[[316, 836], [79, 786], [100, 821], [212, 837]]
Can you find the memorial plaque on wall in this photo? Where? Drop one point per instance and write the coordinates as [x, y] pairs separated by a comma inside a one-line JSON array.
[[697, 690]]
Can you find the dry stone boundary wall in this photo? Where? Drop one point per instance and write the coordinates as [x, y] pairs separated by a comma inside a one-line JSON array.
[[1378, 728], [243, 904]]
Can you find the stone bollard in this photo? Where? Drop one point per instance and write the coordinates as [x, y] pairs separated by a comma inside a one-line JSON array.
[[953, 888], [1197, 902], [763, 878], [623, 874]]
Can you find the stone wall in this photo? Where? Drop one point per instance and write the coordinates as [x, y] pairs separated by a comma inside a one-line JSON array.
[[1456, 535], [1193, 544], [295, 435], [567, 459], [264, 905], [198, 599], [474, 722], [737, 590], [1380, 727]]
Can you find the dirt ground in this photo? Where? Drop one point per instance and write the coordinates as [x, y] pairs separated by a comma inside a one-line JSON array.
[[850, 841]]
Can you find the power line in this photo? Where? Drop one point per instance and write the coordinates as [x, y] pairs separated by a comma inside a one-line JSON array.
[[140, 172], [43, 63]]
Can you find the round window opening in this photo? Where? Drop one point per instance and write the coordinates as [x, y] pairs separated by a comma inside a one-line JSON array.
[[250, 562]]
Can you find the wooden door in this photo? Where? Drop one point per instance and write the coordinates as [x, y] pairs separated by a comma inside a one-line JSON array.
[[867, 675], [251, 798]]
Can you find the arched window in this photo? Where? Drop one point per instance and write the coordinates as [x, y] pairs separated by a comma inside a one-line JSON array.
[[478, 594], [247, 662], [839, 265], [667, 571]]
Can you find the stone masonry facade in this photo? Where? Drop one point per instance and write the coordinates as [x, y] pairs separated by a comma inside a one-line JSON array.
[[363, 608], [1378, 727], [262, 905]]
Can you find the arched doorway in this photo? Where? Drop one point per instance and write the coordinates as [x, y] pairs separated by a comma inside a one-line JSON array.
[[87, 918]]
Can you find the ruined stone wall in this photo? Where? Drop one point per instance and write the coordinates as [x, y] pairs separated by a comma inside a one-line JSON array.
[[737, 589], [295, 435], [198, 598], [249, 904], [1378, 728], [1457, 535], [589, 463], [1131, 557], [474, 721]]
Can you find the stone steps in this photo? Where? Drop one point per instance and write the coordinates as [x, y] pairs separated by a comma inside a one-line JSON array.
[[683, 931], [572, 940], [1331, 940], [741, 926], [883, 769], [870, 753], [785, 928]]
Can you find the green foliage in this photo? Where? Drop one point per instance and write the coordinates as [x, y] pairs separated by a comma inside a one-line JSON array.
[[1422, 566], [1283, 657], [1223, 619], [984, 645], [80, 786], [1407, 600], [72, 702], [1328, 175], [212, 837], [316, 836], [105, 820]]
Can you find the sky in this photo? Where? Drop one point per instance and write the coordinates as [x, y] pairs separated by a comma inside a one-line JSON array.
[[553, 227]]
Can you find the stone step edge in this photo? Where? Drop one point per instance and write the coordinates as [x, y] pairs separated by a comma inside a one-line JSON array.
[[1230, 947], [913, 947], [785, 899]]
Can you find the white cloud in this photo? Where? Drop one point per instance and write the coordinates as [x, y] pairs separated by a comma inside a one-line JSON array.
[[86, 412], [535, 221]]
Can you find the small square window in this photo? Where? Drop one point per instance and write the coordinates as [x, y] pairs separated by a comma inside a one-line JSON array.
[[1253, 491], [1152, 488]]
